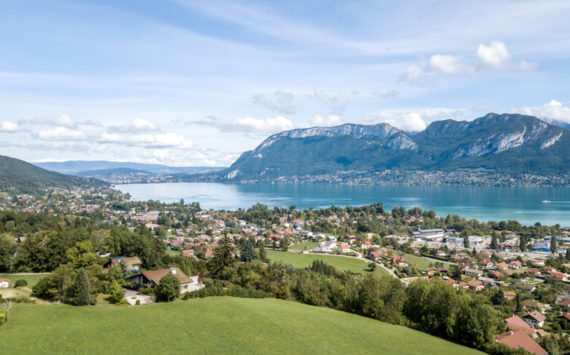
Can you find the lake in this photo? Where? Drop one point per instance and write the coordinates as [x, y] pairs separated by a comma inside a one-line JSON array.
[[547, 205]]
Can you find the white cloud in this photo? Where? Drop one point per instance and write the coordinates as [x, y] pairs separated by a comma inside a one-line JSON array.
[[9, 127], [60, 121], [61, 134], [526, 66], [554, 110], [330, 120], [447, 64], [165, 140], [283, 102], [247, 124], [414, 120], [494, 55], [136, 126], [268, 125]]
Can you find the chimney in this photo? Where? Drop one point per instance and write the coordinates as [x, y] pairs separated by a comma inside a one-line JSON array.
[[173, 271]]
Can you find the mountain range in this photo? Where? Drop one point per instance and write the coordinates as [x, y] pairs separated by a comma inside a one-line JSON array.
[[510, 144], [18, 176]]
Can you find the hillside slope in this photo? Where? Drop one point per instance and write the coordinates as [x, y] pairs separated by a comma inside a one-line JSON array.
[[506, 143], [18, 176], [210, 326]]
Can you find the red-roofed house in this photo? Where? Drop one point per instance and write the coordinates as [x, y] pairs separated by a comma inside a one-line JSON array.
[[4, 283], [519, 339], [188, 253], [517, 323], [152, 279]]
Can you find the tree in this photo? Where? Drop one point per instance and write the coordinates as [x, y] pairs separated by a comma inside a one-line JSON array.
[[81, 291], [247, 252], [465, 240], [494, 242], [124, 269], [222, 259], [7, 249], [522, 243], [116, 293], [567, 254], [168, 288], [553, 245], [263, 252], [285, 243]]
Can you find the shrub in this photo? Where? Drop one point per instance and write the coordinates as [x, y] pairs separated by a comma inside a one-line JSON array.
[[3, 317], [21, 283], [168, 288], [138, 302]]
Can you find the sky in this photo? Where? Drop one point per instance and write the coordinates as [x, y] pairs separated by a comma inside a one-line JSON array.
[[196, 83]]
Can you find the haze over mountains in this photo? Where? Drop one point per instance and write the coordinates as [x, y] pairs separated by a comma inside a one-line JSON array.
[[18, 176], [502, 143]]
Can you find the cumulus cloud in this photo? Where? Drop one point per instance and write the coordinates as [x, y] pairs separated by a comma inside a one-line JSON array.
[[136, 126], [60, 121], [247, 124], [9, 127], [447, 64], [492, 56], [414, 120], [552, 111], [332, 102], [61, 134], [283, 102], [330, 120]]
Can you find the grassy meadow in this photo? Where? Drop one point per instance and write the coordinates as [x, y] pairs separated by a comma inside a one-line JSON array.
[[209, 326], [340, 262], [31, 279]]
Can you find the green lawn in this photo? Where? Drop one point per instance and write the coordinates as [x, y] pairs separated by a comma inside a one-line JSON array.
[[304, 245], [340, 262], [173, 252], [32, 279], [209, 326], [419, 262]]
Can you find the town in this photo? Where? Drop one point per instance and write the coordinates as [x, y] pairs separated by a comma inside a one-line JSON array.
[[522, 271]]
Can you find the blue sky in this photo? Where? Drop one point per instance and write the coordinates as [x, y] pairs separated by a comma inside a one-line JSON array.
[[198, 82]]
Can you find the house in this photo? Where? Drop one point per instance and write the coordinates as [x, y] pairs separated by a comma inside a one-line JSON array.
[[365, 244], [496, 275], [399, 261], [515, 264], [524, 286], [472, 272], [529, 304], [152, 279], [475, 285], [534, 319], [486, 263], [517, 323], [519, 339], [502, 265], [327, 246], [133, 263], [4, 283], [375, 256], [188, 253], [509, 295], [344, 248]]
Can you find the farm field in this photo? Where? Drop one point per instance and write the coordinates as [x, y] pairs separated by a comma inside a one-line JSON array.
[[340, 262], [213, 325], [31, 279]]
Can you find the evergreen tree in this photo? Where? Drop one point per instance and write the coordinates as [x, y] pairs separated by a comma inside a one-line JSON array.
[[494, 242], [223, 258], [247, 251], [567, 254], [124, 270], [553, 245], [522, 243], [263, 252], [285, 243], [81, 291], [465, 240]]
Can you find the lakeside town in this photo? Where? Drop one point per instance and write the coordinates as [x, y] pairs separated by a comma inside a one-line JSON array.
[[523, 271]]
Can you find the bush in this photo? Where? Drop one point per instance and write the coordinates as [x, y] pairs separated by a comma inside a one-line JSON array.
[[234, 292], [3, 317], [21, 283], [168, 288]]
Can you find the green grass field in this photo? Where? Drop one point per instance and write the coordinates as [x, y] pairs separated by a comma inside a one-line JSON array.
[[209, 326], [340, 262], [32, 279], [419, 262], [304, 245]]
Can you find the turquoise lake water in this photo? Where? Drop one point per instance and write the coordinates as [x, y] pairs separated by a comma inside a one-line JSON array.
[[547, 205]]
